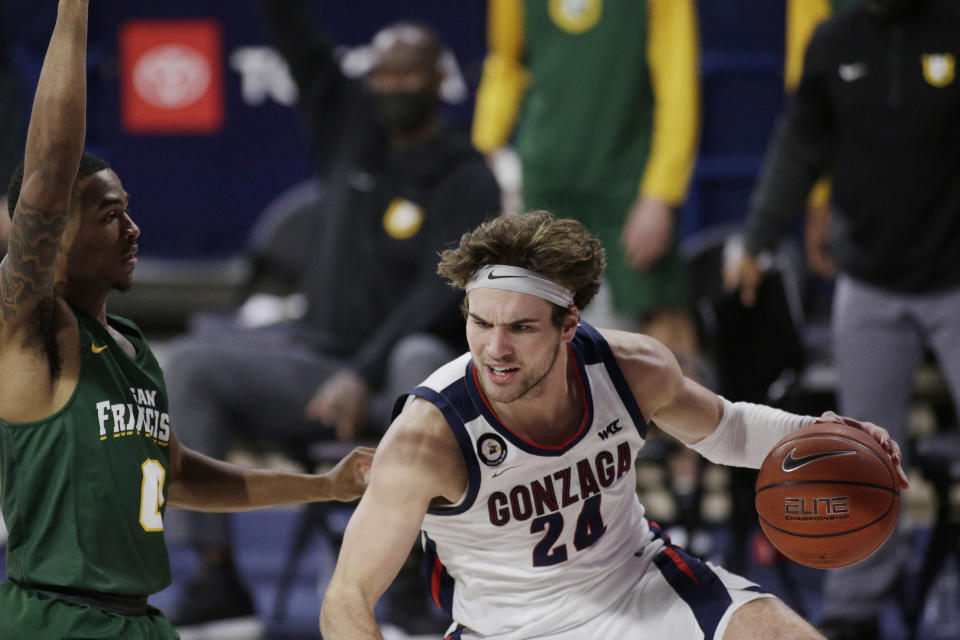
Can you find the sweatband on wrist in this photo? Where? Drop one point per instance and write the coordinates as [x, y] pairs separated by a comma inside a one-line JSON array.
[[510, 278], [747, 432]]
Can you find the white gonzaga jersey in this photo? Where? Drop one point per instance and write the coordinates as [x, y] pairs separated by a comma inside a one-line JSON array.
[[543, 538]]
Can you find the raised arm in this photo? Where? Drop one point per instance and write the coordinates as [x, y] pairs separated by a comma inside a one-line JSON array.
[[201, 483], [54, 145], [327, 100], [417, 461]]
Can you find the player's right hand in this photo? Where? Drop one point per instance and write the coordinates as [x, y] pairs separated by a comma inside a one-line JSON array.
[[743, 273]]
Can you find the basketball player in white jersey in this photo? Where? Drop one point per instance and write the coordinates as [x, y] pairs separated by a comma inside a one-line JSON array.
[[514, 464]]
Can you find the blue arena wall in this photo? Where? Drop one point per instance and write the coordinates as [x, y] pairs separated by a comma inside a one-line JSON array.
[[196, 195]]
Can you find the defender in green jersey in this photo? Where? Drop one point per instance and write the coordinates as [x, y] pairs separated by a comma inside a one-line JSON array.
[[88, 457]]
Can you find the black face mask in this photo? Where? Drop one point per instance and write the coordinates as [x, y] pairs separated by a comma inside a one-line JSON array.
[[403, 111], [892, 9]]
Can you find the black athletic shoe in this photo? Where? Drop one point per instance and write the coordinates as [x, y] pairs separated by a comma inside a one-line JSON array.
[[841, 629], [216, 597]]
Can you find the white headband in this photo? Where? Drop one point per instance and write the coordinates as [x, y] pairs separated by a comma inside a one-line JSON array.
[[509, 278]]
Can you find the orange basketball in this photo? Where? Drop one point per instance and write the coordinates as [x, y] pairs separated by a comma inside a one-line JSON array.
[[827, 495]]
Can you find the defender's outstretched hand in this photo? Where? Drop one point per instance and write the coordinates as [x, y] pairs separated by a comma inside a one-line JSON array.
[[349, 476]]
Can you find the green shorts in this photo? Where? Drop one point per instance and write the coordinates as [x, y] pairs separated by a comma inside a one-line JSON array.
[[664, 286], [37, 616]]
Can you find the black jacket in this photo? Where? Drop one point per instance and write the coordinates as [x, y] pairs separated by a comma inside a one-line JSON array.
[[878, 108], [369, 283]]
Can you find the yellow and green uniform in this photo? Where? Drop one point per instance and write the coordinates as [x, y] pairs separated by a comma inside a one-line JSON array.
[[607, 99], [84, 496]]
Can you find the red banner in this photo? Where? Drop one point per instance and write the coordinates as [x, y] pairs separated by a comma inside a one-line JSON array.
[[171, 76]]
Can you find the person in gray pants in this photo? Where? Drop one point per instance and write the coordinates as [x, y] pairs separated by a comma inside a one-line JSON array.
[[876, 109]]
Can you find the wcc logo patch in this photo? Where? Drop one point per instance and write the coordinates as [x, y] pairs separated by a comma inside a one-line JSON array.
[[492, 449]]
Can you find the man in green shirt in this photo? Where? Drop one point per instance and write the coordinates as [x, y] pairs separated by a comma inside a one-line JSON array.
[[88, 457], [605, 97]]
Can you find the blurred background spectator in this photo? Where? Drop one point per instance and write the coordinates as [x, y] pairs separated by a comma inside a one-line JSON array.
[[876, 109], [614, 149], [395, 187]]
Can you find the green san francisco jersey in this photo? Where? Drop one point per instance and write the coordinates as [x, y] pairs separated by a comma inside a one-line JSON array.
[[83, 490]]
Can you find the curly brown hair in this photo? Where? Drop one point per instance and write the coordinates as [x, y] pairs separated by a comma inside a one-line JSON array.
[[560, 249]]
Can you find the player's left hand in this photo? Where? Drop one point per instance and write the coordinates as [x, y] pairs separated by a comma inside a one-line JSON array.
[[349, 476], [341, 402], [648, 232], [881, 435]]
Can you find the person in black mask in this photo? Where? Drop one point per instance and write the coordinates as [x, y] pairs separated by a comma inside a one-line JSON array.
[[878, 110], [404, 81], [396, 187]]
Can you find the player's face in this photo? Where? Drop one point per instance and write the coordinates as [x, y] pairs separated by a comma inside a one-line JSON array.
[[101, 243], [514, 342]]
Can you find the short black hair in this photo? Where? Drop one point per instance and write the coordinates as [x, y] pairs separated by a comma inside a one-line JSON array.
[[89, 164]]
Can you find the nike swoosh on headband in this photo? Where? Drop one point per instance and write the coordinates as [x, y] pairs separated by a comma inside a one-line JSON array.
[[511, 278]]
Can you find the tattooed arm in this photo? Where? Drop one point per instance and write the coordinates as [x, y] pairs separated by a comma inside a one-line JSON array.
[[54, 146]]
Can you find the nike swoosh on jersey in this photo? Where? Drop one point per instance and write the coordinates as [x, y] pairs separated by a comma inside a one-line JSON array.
[[792, 464], [502, 471], [97, 349]]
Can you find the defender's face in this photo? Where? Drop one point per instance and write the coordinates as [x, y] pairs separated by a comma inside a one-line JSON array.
[[101, 241], [513, 341]]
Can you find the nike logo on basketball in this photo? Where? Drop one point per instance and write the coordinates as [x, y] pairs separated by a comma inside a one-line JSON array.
[[493, 276], [97, 349], [792, 464]]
